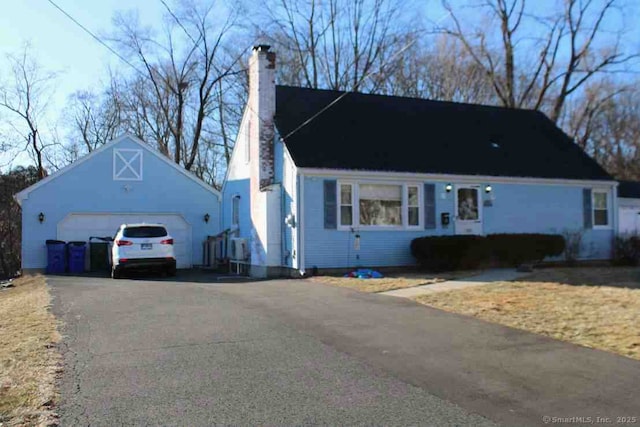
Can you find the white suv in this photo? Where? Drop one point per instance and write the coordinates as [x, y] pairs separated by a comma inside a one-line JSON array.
[[142, 246]]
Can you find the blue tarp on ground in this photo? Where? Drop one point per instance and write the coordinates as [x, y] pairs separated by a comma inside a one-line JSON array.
[[364, 273]]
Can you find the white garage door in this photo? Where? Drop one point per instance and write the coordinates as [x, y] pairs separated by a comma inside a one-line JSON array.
[[629, 220], [80, 227]]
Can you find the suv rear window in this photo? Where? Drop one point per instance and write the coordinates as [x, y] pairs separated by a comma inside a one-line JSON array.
[[144, 231]]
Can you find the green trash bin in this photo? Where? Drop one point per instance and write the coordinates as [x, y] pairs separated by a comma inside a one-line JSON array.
[[99, 253]]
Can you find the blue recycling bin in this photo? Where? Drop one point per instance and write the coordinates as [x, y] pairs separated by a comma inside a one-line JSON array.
[[76, 253], [56, 257]]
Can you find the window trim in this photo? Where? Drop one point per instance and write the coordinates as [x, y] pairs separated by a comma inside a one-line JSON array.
[[355, 204], [339, 204], [609, 224], [419, 205]]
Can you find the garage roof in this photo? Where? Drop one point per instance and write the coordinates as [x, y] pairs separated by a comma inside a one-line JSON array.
[[19, 197], [629, 189]]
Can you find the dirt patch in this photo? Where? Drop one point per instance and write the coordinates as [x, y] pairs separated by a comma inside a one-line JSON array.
[[602, 317], [395, 281], [29, 361]]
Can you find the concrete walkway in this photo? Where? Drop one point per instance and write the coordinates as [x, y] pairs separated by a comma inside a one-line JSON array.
[[484, 278]]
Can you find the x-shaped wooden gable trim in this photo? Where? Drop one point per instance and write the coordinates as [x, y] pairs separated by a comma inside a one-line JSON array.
[[127, 158]]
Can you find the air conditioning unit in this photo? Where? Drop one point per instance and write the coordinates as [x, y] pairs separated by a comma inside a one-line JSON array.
[[239, 249]]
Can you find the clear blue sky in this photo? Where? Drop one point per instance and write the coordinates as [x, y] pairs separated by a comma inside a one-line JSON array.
[[61, 46]]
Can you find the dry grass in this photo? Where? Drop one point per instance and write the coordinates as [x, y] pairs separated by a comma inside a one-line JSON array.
[[626, 277], [603, 317], [28, 359], [393, 281]]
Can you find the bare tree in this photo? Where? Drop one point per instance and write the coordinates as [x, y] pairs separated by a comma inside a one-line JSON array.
[[607, 123], [176, 98], [439, 69], [97, 118], [26, 97], [11, 217], [336, 44], [571, 46]]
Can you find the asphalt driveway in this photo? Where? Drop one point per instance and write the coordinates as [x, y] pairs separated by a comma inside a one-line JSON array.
[[144, 352]]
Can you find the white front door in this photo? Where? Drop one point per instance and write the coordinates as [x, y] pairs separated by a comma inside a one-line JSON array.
[[468, 210]]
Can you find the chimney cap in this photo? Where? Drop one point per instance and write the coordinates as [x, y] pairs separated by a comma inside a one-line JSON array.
[[262, 48]]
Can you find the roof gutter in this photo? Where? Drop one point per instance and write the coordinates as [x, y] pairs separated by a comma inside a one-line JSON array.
[[404, 176], [19, 197]]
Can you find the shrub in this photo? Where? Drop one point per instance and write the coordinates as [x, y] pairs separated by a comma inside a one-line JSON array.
[[516, 249], [450, 252], [459, 252], [627, 250]]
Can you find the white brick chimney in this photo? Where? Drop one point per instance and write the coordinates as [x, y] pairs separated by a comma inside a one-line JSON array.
[[266, 240], [262, 101]]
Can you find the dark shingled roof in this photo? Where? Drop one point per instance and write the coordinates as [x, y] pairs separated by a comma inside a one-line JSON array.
[[388, 133], [629, 189]]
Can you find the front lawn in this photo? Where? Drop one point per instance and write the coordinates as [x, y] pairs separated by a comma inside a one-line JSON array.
[[393, 281], [593, 307], [28, 359], [626, 277]]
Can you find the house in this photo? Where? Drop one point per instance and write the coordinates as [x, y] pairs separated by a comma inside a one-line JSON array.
[[322, 179], [124, 181], [629, 207]]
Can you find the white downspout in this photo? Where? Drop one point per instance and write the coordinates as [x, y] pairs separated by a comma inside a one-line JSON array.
[[616, 225], [614, 196], [300, 224]]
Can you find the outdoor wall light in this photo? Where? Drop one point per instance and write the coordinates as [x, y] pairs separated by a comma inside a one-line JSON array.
[[448, 188], [488, 188], [206, 218], [41, 217]]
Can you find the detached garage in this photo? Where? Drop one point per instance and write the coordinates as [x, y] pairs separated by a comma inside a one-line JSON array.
[[125, 181]]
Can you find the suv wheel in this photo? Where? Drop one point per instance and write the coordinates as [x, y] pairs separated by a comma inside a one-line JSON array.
[[171, 271], [116, 273]]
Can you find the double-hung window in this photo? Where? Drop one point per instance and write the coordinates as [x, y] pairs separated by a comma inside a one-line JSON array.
[[346, 205], [413, 205], [600, 201], [377, 205]]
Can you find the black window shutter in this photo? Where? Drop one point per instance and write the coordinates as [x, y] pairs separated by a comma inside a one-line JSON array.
[[330, 204], [429, 206], [587, 208]]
